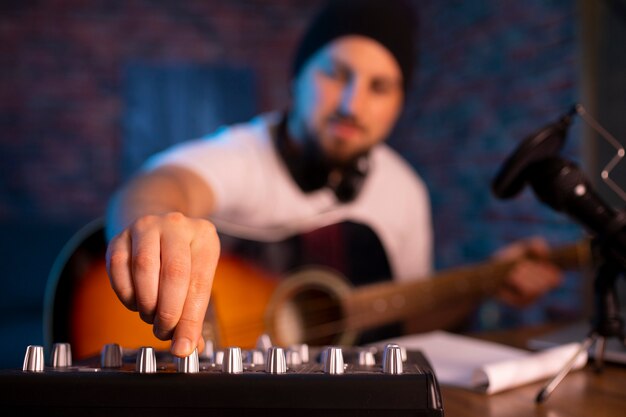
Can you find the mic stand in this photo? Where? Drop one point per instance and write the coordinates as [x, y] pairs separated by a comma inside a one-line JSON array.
[[607, 321]]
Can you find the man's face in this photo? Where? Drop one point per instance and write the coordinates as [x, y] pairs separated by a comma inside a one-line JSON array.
[[348, 96]]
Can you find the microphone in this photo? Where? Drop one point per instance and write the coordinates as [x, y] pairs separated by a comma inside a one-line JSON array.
[[545, 142], [563, 186]]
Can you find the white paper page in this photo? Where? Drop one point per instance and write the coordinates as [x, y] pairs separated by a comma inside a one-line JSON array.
[[485, 366], [499, 376]]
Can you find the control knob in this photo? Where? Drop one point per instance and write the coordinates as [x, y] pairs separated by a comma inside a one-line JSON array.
[[189, 364], [146, 361], [233, 363], [61, 355], [303, 350], [333, 361], [366, 358], [33, 359], [392, 359], [255, 358], [276, 363], [111, 356]]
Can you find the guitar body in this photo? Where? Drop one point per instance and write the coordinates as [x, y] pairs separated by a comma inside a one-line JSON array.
[[245, 303], [98, 317], [239, 299]]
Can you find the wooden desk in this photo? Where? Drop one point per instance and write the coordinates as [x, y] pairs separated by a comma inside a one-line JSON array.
[[582, 393]]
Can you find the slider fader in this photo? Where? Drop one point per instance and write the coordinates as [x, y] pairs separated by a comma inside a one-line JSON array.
[[266, 381]]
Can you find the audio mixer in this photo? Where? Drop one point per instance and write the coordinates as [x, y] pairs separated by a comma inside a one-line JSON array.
[[266, 381]]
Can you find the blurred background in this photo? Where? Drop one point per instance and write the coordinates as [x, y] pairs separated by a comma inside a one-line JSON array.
[[89, 89]]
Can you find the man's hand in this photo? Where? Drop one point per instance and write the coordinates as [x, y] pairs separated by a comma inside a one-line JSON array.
[[163, 266], [531, 277]]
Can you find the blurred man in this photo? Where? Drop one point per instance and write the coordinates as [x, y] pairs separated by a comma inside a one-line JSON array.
[[319, 170]]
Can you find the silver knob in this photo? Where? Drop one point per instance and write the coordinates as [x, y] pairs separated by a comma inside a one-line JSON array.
[[293, 358], [233, 363], [392, 359], [61, 355], [189, 364], [146, 361], [276, 362], [403, 352], [111, 356], [263, 343], [255, 357], [366, 358], [323, 354], [333, 361], [33, 359], [218, 357], [303, 350], [207, 353]]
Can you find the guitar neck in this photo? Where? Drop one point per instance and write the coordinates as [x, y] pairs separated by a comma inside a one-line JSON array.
[[383, 303]]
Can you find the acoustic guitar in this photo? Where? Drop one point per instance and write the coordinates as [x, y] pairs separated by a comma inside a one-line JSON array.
[[312, 305]]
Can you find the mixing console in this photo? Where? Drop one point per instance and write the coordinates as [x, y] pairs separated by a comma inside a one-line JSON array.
[[269, 380]]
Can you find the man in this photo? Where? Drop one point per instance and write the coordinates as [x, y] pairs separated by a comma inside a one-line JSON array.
[[320, 164]]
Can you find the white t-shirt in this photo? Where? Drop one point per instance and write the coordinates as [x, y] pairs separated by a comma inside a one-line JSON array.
[[257, 199]]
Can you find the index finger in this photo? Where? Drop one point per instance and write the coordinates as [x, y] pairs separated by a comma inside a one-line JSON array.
[[188, 332]]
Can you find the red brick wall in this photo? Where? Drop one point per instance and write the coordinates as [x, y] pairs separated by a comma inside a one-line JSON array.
[[61, 83]]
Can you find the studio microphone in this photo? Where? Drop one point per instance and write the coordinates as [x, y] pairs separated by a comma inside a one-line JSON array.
[[543, 143], [562, 185]]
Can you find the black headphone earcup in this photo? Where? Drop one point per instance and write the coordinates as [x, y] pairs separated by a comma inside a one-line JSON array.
[[351, 182], [311, 171]]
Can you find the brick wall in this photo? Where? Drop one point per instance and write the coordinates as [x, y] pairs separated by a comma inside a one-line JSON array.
[[61, 101], [492, 72]]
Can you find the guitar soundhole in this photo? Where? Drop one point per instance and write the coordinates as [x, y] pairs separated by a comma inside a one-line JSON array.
[[310, 316]]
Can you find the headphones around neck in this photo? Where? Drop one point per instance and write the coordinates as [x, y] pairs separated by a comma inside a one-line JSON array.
[[311, 170]]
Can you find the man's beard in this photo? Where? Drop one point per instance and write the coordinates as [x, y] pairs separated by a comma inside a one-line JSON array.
[[333, 158], [313, 167]]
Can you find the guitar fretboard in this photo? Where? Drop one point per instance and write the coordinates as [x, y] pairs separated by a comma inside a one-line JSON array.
[[379, 304]]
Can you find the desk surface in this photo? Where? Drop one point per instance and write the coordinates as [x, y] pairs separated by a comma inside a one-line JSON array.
[[582, 393]]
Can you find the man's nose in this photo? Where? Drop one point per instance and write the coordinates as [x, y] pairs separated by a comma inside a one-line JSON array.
[[353, 98]]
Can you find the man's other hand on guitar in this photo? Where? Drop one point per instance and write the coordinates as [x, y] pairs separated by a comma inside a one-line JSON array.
[[531, 276]]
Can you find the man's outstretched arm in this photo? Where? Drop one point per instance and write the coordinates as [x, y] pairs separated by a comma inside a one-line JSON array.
[[162, 253]]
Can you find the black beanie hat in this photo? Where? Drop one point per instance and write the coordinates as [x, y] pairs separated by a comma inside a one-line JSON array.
[[390, 22]]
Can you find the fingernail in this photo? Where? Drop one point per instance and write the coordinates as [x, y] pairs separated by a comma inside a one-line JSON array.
[[181, 347]]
